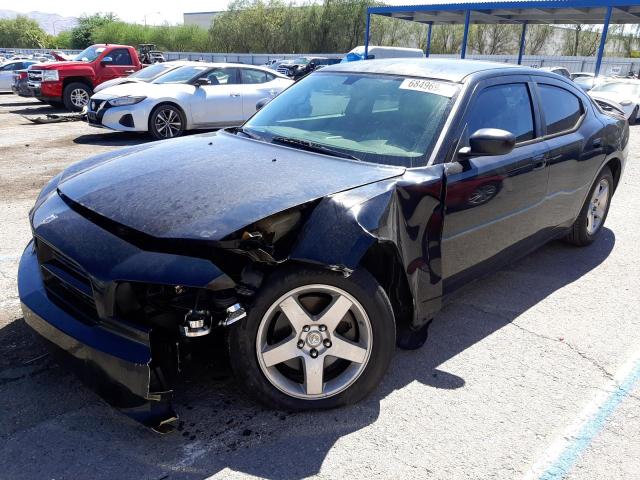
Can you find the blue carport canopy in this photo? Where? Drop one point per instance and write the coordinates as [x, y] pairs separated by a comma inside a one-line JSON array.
[[438, 12]]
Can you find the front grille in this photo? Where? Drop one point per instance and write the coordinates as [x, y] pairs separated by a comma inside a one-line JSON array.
[[284, 70], [66, 283], [35, 76]]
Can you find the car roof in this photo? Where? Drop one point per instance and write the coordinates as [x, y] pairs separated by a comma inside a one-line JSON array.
[[453, 70], [232, 65]]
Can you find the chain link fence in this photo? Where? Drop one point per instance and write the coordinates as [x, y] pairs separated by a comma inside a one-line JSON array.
[[610, 65]]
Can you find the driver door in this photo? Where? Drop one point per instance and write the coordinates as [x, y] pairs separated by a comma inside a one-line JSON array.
[[218, 104], [493, 202]]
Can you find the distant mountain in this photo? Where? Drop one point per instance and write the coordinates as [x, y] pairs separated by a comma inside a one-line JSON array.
[[50, 22]]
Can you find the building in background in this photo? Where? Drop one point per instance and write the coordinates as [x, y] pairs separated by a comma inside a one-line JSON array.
[[201, 19]]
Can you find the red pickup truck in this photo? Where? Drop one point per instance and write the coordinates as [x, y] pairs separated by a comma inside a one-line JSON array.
[[71, 83]]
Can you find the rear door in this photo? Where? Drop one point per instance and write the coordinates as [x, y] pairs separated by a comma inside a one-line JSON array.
[[492, 202], [220, 103], [256, 85], [576, 148]]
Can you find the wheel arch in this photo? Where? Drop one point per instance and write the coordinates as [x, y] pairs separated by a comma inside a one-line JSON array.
[[383, 261], [615, 165], [83, 80], [187, 122]]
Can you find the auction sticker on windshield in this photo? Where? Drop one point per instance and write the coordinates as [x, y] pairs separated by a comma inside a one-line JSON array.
[[429, 86]]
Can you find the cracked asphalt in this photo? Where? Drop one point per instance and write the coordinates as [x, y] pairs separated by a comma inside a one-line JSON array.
[[510, 364]]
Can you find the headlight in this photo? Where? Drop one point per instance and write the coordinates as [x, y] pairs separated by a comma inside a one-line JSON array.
[[50, 76], [121, 101], [625, 103]]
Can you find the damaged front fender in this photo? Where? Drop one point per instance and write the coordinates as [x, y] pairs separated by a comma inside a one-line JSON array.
[[406, 213]]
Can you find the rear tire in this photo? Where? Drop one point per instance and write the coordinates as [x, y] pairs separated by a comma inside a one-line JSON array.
[[350, 345], [594, 211], [76, 96]]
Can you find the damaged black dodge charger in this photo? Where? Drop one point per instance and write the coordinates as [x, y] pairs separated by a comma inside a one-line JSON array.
[[316, 237]]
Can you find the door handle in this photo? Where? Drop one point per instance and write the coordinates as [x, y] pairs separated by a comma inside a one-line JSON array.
[[129, 71], [234, 94], [539, 162]]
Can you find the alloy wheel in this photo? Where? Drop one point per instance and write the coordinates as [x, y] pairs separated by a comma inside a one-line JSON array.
[[314, 342], [598, 206], [167, 123], [79, 97]]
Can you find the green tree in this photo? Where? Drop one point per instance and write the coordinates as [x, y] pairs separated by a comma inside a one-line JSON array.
[[22, 32], [82, 35]]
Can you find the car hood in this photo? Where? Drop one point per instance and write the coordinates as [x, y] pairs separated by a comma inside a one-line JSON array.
[[115, 81], [153, 90], [205, 187], [54, 65]]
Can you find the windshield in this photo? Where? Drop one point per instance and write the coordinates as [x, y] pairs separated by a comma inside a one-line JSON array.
[[181, 74], [375, 118], [153, 71], [618, 87], [89, 54]]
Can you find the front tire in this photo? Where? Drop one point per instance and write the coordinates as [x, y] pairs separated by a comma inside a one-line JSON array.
[[166, 121], [313, 339], [594, 211], [76, 96]]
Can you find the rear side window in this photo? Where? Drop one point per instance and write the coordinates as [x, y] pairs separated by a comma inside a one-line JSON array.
[[507, 107], [562, 109], [254, 76], [121, 56]]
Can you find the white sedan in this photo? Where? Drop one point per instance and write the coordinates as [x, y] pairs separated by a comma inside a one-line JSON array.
[[624, 92], [206, 95]]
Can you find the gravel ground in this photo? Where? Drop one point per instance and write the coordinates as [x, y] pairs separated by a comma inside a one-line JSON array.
[[510, 364]]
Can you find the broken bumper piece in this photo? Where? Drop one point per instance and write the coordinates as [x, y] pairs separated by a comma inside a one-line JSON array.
[[119, 368]]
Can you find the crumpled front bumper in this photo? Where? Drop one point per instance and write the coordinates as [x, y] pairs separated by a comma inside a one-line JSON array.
[[116, 367]]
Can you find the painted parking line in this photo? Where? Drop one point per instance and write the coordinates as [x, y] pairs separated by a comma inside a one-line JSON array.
[[563, 454]]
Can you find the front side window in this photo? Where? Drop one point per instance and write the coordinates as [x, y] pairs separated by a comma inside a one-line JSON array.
[[121, 56], [562, 109], [382, 119], [223, 76], [506, 107]]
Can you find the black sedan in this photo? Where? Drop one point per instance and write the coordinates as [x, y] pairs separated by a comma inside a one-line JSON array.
[[311, 241]]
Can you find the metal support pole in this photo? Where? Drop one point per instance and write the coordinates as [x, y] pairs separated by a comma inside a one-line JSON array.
[[523, 37], [467, 18], [366, 36], [603, 39], [428, 49]]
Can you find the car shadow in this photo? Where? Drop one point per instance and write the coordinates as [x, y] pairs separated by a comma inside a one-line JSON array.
[[37, 109], [114, 139], [220, 430]]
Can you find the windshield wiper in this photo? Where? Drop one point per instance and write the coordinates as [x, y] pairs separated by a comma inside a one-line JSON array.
[[312, 147], [248, 133]]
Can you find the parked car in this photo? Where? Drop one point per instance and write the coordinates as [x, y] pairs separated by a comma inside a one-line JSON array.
[[7, 71], [302, 66], [624, 92], [71, 83], [318, 235], [375, 52], [202, 95], [146, 75], [582, 75], [562, 71]]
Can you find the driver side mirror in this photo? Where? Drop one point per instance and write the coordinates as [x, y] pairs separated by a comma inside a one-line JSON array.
[[200, 82], [106, 61], [489, 141]]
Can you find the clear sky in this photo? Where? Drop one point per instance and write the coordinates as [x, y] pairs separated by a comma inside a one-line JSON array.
[[156, 12], [132, 11]]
